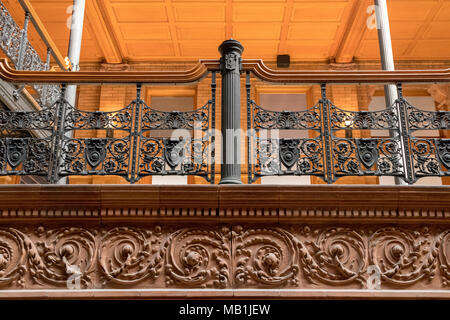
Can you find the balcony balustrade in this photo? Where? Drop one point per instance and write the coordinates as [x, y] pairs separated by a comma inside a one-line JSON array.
[[133, 152]]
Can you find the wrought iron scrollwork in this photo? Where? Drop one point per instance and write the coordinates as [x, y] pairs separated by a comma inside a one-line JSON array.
[[426, 120], [327, 155], [160, 120], [342, 119], [358, 157], [286, 120], [10, 34], [430, 156], [276, 157], [95, 156], [172, 155], [119, 120], [25, 156], [129, 149], [288, 156], [169, 156], [39, 120]]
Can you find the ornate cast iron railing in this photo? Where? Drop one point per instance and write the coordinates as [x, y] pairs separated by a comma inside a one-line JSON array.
[[15, 44], [124, 146], [326, 155], [127, 145]]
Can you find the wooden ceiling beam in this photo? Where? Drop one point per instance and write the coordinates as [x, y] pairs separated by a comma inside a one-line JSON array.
[[173, 28], [103, 34], [282, 48], [424, 27], [354, 28]]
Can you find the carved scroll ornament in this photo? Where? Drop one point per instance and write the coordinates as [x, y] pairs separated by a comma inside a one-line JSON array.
[[221, 257]]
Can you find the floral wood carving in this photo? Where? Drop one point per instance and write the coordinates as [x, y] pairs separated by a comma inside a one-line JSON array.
[[265, 257], [224, 256], [199, 258]]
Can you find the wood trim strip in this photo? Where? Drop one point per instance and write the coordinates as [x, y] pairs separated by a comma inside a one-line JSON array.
[[296, 294], [227, 203], [360, 76], [258, 67]]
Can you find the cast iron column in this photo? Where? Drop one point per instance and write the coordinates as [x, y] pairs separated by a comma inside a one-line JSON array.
[[74, 51], [387, 56], [231, 67]]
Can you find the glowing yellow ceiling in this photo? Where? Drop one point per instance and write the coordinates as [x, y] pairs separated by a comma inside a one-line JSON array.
[[149, 30]]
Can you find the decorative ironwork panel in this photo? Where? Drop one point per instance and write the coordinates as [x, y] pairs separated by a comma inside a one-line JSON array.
[[95, 156], [286, 120], [426, 120], [192, 154], [39, 120], [82, 120], [431, 157], [47, 94], [32, 61], [294, 156], [343, 119], [276, 157], [172, 156], [25, 156], [367, 157], [372, 156], [325, 154], [160, 120]]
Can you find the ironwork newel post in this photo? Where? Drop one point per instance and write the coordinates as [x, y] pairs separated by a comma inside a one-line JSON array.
[[231, 67]]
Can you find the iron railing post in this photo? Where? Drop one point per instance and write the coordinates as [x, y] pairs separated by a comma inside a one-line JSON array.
[[58, 139], [135, 133], [213, 126], [249, 128], [404, 136], [231, 67], [23, 42], [326, 135]]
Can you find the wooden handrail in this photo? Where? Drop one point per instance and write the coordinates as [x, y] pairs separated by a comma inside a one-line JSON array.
[[259, 69], [9, 74], [263, 72], [42, 31]]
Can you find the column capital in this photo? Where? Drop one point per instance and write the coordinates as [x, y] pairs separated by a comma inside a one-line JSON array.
[[231, 51], [231, 45]]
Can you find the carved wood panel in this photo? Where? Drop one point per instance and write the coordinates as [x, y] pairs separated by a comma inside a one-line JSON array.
[[201, 256]]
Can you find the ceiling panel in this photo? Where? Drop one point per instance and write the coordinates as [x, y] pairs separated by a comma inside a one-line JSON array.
[[318, 11], [253, 31], [203, 31], [136, 12], [154, 30], [312, 31], [199, 12], [258, 13]]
